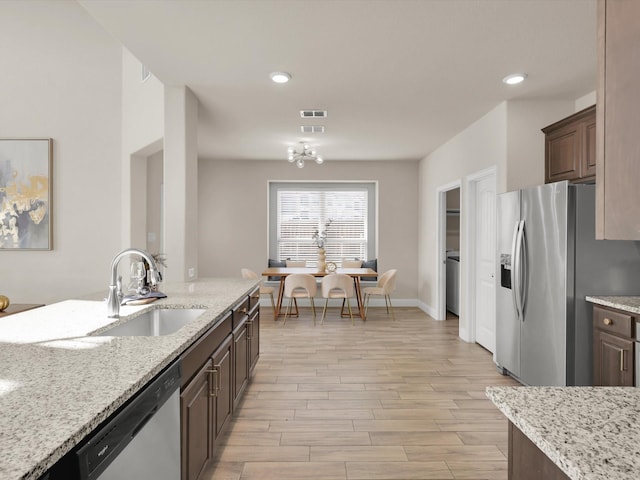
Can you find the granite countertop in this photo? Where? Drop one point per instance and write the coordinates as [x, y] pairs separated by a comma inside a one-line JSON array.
[[58, 382], [626, 303], [591, 433]]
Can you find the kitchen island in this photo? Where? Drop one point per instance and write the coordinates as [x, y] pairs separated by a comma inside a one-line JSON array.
[[59, 381], [589, 433]]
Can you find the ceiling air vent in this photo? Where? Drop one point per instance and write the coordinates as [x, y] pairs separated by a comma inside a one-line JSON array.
[[312, 128], [313, 113]]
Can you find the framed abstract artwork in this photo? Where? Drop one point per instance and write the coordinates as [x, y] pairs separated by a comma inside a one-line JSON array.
[[25, 193]]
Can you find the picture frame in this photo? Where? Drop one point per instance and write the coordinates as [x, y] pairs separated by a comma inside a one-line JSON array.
[[26, 193]]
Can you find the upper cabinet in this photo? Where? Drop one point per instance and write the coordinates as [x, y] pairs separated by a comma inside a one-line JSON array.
[[570, 148], [618, 121]]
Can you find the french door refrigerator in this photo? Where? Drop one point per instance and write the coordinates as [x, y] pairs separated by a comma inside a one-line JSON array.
[[548, 261]]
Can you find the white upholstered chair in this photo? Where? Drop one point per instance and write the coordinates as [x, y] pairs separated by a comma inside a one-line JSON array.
[[251, 275], [386, 284], [337, 286], [300, 285]]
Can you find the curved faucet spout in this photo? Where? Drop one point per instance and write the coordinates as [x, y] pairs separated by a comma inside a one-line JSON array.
[[115, 293]]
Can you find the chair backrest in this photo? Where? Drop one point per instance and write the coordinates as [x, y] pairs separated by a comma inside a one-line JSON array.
[[249, 274], [302, 281], [387, 281], [296, 263], [337, 281], [347, 263]]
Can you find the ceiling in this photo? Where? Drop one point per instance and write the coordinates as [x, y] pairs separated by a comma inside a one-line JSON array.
[[397, 77]]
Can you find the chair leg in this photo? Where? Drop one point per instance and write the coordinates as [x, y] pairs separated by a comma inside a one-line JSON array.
[[386, 304], [366, 304], [391, 307], [287, 311], [273, 305], [350, 312], [313, 309], [324, 311], [296, 304]]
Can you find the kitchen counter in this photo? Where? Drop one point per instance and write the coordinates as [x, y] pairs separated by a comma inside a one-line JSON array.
[[58, 382], [626, 303], [590, 433]]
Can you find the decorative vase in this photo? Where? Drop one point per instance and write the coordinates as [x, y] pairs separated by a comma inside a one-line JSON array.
[[322, 260]]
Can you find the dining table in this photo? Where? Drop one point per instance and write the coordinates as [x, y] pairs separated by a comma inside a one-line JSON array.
[[356, 273]]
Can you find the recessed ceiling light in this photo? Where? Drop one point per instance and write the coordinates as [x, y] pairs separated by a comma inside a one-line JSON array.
[[514, 78], [280, 77]]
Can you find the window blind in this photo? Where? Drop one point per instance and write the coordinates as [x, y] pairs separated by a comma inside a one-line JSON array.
[[300, 212]]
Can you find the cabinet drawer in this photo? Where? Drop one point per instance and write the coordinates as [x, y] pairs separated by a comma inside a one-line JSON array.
[[240, 312], [254, 298], [200, 351], [612, 321]]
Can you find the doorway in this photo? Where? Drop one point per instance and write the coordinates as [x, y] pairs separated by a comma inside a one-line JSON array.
[[449, 272]]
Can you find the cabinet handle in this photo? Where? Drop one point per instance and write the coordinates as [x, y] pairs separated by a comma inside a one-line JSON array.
[[218, 370], [607, 321], [214, 381], [243, 311], [622, 369]]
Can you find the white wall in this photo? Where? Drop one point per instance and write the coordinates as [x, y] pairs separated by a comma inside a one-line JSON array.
[[233, 213], [585, 101], [61, 78]]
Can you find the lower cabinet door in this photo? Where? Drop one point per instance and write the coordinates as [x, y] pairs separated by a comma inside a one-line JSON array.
[[241, 363], [197, 416], [614, 362], [254, 340], [223, 399]]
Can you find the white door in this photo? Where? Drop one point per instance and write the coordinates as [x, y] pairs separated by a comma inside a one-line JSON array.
[[484, 241]]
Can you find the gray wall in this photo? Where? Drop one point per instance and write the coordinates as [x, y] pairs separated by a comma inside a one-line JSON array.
[[233, 211]]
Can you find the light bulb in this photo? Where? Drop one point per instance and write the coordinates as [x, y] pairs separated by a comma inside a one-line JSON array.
[[300, 163], [291, 158], [515, 78], [290, 150], [319, 160], [280, 77]]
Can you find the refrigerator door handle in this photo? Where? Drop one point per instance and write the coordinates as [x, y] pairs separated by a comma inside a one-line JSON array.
[[516, 285], [524, 273], [515, 269]]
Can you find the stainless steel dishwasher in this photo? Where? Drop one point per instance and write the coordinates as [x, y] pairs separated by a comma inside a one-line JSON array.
[[142, 440]]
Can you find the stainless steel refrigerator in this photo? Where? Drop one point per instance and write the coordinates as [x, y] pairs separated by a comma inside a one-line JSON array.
[[548, 261]]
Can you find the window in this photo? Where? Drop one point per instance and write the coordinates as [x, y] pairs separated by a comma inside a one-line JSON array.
[[297, 210]]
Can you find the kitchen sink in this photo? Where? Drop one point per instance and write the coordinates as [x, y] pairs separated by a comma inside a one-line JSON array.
[[154, 323]]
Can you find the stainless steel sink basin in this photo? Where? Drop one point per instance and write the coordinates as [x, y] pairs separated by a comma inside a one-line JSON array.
[[153, 323]]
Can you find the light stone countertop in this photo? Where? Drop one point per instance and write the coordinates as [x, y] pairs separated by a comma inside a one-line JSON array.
[[57, 382], [591, 433], [626, 303]]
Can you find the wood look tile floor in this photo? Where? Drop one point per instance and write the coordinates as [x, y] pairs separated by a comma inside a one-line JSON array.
[[378, 400]]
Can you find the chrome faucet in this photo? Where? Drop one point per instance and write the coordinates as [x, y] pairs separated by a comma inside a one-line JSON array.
[[115, 288]]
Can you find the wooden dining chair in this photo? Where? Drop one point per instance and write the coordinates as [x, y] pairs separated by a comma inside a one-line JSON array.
[[386, 284], [251, 275], [337, 286], [300, 285]]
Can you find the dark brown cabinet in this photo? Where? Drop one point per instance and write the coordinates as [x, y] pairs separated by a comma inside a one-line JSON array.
[[241, 356], [216, 372], [618, 117], [527, 461], [570, 148], [196, 411], [613, 347]]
